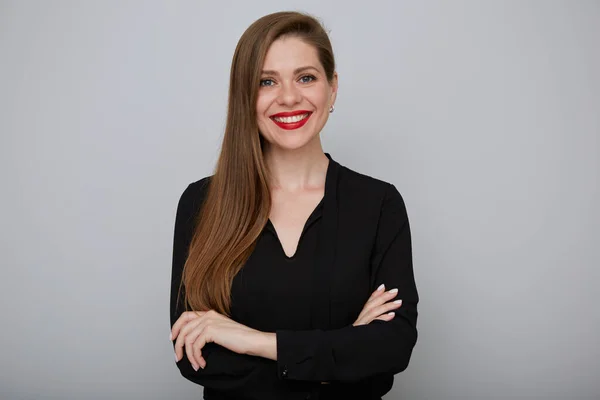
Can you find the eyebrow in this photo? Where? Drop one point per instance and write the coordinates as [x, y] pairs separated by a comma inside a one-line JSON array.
[[296, 71]]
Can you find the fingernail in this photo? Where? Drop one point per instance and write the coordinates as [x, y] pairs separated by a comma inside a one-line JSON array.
[[391, 314], [398, 301], [393, 291], [381, 287], [176, 358], [171, 336], [195, 367]]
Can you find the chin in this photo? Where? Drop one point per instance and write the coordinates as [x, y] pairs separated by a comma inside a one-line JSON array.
[[290, 143]]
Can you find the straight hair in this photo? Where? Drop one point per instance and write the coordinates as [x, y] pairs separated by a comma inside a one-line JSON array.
[[237, 203]]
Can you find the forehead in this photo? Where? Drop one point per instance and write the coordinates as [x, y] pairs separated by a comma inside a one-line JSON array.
[[286, 54]]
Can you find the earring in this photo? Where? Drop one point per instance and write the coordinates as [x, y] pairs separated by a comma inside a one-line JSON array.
[[331, 108]]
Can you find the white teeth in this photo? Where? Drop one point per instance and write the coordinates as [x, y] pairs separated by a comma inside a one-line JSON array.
[[290, 120]]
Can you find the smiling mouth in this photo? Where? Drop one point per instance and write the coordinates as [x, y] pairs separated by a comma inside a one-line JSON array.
[[292, 119]]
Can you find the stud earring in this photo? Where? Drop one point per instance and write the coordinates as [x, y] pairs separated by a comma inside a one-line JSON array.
[[331, 108]]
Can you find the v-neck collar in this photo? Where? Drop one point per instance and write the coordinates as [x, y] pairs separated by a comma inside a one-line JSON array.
[[325, 253], [317, 211]]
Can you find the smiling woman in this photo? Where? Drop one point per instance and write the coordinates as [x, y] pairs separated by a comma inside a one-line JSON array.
[[281, 257]]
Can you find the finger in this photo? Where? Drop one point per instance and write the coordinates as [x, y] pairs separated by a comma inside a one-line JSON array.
[[378, 298], [381, 309], [192, 338], [364, 320], [180, 342], [189, 352], [377, 292], [379, 289], [372, 310], [198, 356], [197, 338], [191, 341], [387, 317], [182, 321], [189, 346], [385, 297], [392, 305], [196, 345], [382, 298], [368, 312]]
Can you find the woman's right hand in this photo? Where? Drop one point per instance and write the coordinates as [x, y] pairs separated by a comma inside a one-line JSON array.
[[379, 306]]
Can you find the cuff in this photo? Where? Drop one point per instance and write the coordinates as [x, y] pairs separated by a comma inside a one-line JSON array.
[[303, 355]]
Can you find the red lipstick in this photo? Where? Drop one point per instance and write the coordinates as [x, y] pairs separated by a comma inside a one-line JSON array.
[[291, 125]]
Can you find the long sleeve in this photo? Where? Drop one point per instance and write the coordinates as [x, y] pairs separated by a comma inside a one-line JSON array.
[[381, 347], [225, 369]]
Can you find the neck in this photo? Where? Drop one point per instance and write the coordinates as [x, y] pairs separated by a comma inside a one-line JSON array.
[[298, 169]]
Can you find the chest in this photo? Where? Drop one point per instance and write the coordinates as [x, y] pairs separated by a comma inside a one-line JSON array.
[[289, 216], [273, 291]]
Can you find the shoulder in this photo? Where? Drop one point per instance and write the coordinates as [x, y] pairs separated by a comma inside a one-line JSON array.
[[368, 188], [199, 187], [375, 202], [193, 195]]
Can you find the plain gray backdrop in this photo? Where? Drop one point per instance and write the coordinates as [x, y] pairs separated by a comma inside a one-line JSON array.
[[484, 114]]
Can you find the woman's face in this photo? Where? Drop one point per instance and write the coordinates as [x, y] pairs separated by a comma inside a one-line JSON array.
[[294, 95]]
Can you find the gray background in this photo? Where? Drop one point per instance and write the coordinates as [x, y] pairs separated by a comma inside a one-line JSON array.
[[485, 115]]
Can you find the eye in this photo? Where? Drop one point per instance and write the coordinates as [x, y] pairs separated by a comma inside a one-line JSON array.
[[266, 82], [307, 78]]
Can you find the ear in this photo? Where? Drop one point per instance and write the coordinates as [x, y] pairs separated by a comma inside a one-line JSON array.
[[334, 88]]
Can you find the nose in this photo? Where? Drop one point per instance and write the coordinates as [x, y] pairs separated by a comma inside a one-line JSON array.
[[289, 95]]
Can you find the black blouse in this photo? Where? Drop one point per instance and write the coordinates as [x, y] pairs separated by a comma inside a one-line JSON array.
[[356, 238]]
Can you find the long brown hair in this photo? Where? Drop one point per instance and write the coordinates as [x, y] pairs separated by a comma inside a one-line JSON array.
[[238, 198]]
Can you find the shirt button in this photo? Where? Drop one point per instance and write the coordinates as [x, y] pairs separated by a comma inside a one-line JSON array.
[[284, 373]]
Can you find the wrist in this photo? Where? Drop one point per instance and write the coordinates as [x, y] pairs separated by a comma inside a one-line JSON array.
[[264, 345]]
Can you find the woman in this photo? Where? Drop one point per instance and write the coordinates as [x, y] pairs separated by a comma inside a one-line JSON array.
[[281, 256]]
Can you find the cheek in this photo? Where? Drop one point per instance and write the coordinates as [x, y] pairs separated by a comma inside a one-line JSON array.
[[260, 109], [320, 99], [262, 103], [262, 119]]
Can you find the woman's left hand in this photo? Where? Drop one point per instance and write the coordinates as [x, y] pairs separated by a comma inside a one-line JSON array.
[[194, 329]]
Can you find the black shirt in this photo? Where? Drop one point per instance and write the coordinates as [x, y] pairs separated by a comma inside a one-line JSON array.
[[356, 238]]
